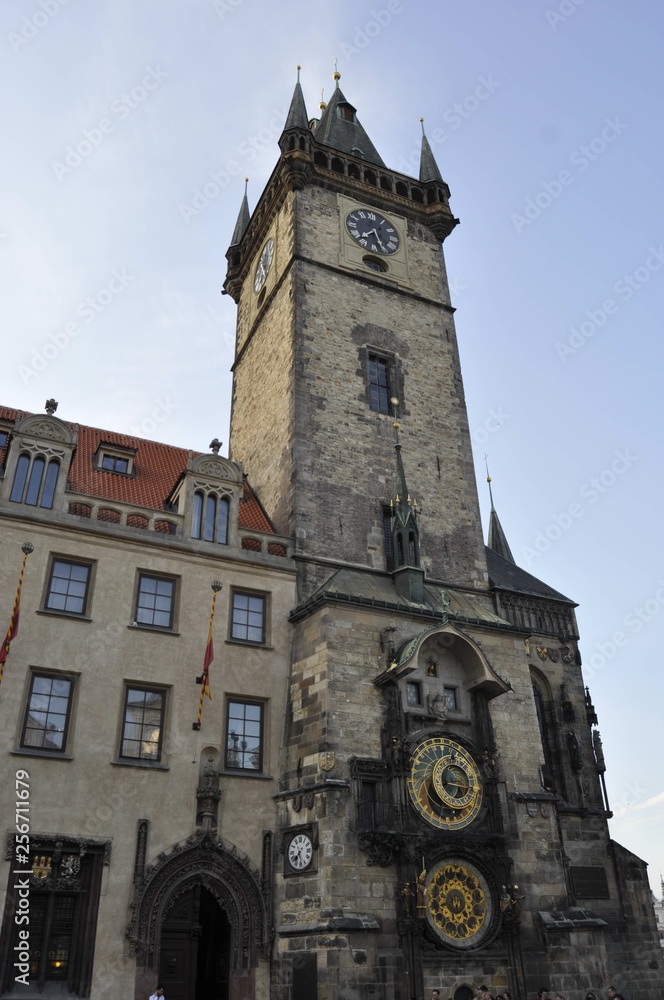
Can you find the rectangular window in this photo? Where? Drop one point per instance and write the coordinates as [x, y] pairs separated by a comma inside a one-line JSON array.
[[414, 693], [143, 724], [379, 384], [451, 698], [155, 601], [244, 743], [3, 438], [47, 712], [68, 587], [368, 805], [113, 464], [248, 617]]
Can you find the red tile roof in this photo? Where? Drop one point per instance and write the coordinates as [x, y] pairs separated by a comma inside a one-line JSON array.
[[157, 469]]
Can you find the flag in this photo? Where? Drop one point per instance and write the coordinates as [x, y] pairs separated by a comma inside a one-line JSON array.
[[12, 631], [204, 679]]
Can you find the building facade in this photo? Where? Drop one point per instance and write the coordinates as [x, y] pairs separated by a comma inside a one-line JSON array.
[[398, 783]]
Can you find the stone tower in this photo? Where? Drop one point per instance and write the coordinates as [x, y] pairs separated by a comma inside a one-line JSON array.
[[441, 822]]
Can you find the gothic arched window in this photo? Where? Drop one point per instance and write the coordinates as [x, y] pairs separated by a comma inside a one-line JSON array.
[[40, 488]]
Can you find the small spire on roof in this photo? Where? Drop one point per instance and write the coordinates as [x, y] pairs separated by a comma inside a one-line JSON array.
[[336, 75], [298, 68], [497, 537], [242, 219], [297, 113], [428, 167], [322, 104]]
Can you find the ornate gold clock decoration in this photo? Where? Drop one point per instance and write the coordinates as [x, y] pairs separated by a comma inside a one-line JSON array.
[[459, 904], [445, 784]]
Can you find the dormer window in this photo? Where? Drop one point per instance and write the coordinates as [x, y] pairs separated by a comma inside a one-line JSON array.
[[35, 480], [112, 458], [209, 520], [347, 112], [357, 152]]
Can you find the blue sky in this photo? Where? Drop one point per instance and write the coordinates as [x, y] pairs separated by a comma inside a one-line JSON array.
[[544, 119]]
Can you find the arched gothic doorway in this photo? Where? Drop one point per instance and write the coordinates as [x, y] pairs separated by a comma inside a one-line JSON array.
[[200, 922], [195, 948]]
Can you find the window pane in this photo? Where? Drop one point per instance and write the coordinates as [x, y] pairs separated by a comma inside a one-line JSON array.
[[154, 605], [243, 744], [197, 515], [45, 723], [68, 587], [50, 483], [20, 475], [248, 621], [379, 388], [222, 522], [34, 482], [142, 725], [210, 518]]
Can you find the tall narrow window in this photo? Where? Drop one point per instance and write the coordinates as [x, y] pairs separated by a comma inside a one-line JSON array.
[[197, 515], [34, 482], [20, 477], [387, 537], [50, 482], [379, 384], [210, 518], [222, 521], [47, 713], [368, 805]]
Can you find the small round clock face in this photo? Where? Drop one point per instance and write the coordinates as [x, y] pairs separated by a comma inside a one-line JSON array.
[[372, 231], [444, 784], [300, 851], [263, 265], [459, 904]]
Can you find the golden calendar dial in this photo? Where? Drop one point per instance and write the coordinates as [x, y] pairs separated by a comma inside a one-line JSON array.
[[459, 904], [445, 784]]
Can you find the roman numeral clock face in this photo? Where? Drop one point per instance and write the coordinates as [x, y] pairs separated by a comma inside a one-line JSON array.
[[444, 784], [372, 231]]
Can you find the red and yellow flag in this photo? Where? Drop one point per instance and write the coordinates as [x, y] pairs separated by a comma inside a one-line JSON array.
[[12, 631], [204, 679]]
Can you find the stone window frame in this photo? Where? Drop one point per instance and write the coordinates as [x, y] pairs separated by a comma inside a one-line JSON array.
[[22, 484], [151, 575], [245, 592], [61, 752]]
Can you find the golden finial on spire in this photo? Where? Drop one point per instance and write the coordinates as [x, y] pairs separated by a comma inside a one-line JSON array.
[[298, 73], [336, 75], [322, 104], [422, 124]]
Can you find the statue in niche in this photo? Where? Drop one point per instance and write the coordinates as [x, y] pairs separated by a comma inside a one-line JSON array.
[[437, 706]]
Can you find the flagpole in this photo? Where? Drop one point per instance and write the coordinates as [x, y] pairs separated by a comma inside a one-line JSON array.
[[204, 678], [12, 631]]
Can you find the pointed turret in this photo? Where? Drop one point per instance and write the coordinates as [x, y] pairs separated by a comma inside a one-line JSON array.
[[428, 167], [497, 537], [242, 219], [405, 530], [340, 128], [297, 113]]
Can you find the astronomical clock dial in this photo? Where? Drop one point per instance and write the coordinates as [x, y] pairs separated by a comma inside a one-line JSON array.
[[372, 231], [444, 784], [300, 852], [263, 266], [459, 904]]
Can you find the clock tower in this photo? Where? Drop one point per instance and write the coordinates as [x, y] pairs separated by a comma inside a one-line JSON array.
[[440, 820], [343, 304]]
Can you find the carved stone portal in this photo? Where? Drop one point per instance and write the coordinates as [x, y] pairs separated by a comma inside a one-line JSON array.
[[227, 874]]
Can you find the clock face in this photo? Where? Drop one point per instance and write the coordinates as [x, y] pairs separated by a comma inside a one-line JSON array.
[[372, 231], [263, 265], [459, 904], [300, 851], [445, 784]]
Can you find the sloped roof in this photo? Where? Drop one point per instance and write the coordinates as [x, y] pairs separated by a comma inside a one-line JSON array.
[[157, 469], [344, 135], [505, 575]]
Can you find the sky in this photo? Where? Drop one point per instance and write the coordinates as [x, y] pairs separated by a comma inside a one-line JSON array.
[[128, 130]]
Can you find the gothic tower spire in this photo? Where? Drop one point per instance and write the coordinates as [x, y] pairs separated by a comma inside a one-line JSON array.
[[341, 129], [242, 219], [429, 170], [497, 537]]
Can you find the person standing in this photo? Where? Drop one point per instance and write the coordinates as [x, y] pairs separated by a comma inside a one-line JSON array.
[[158, 994]]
